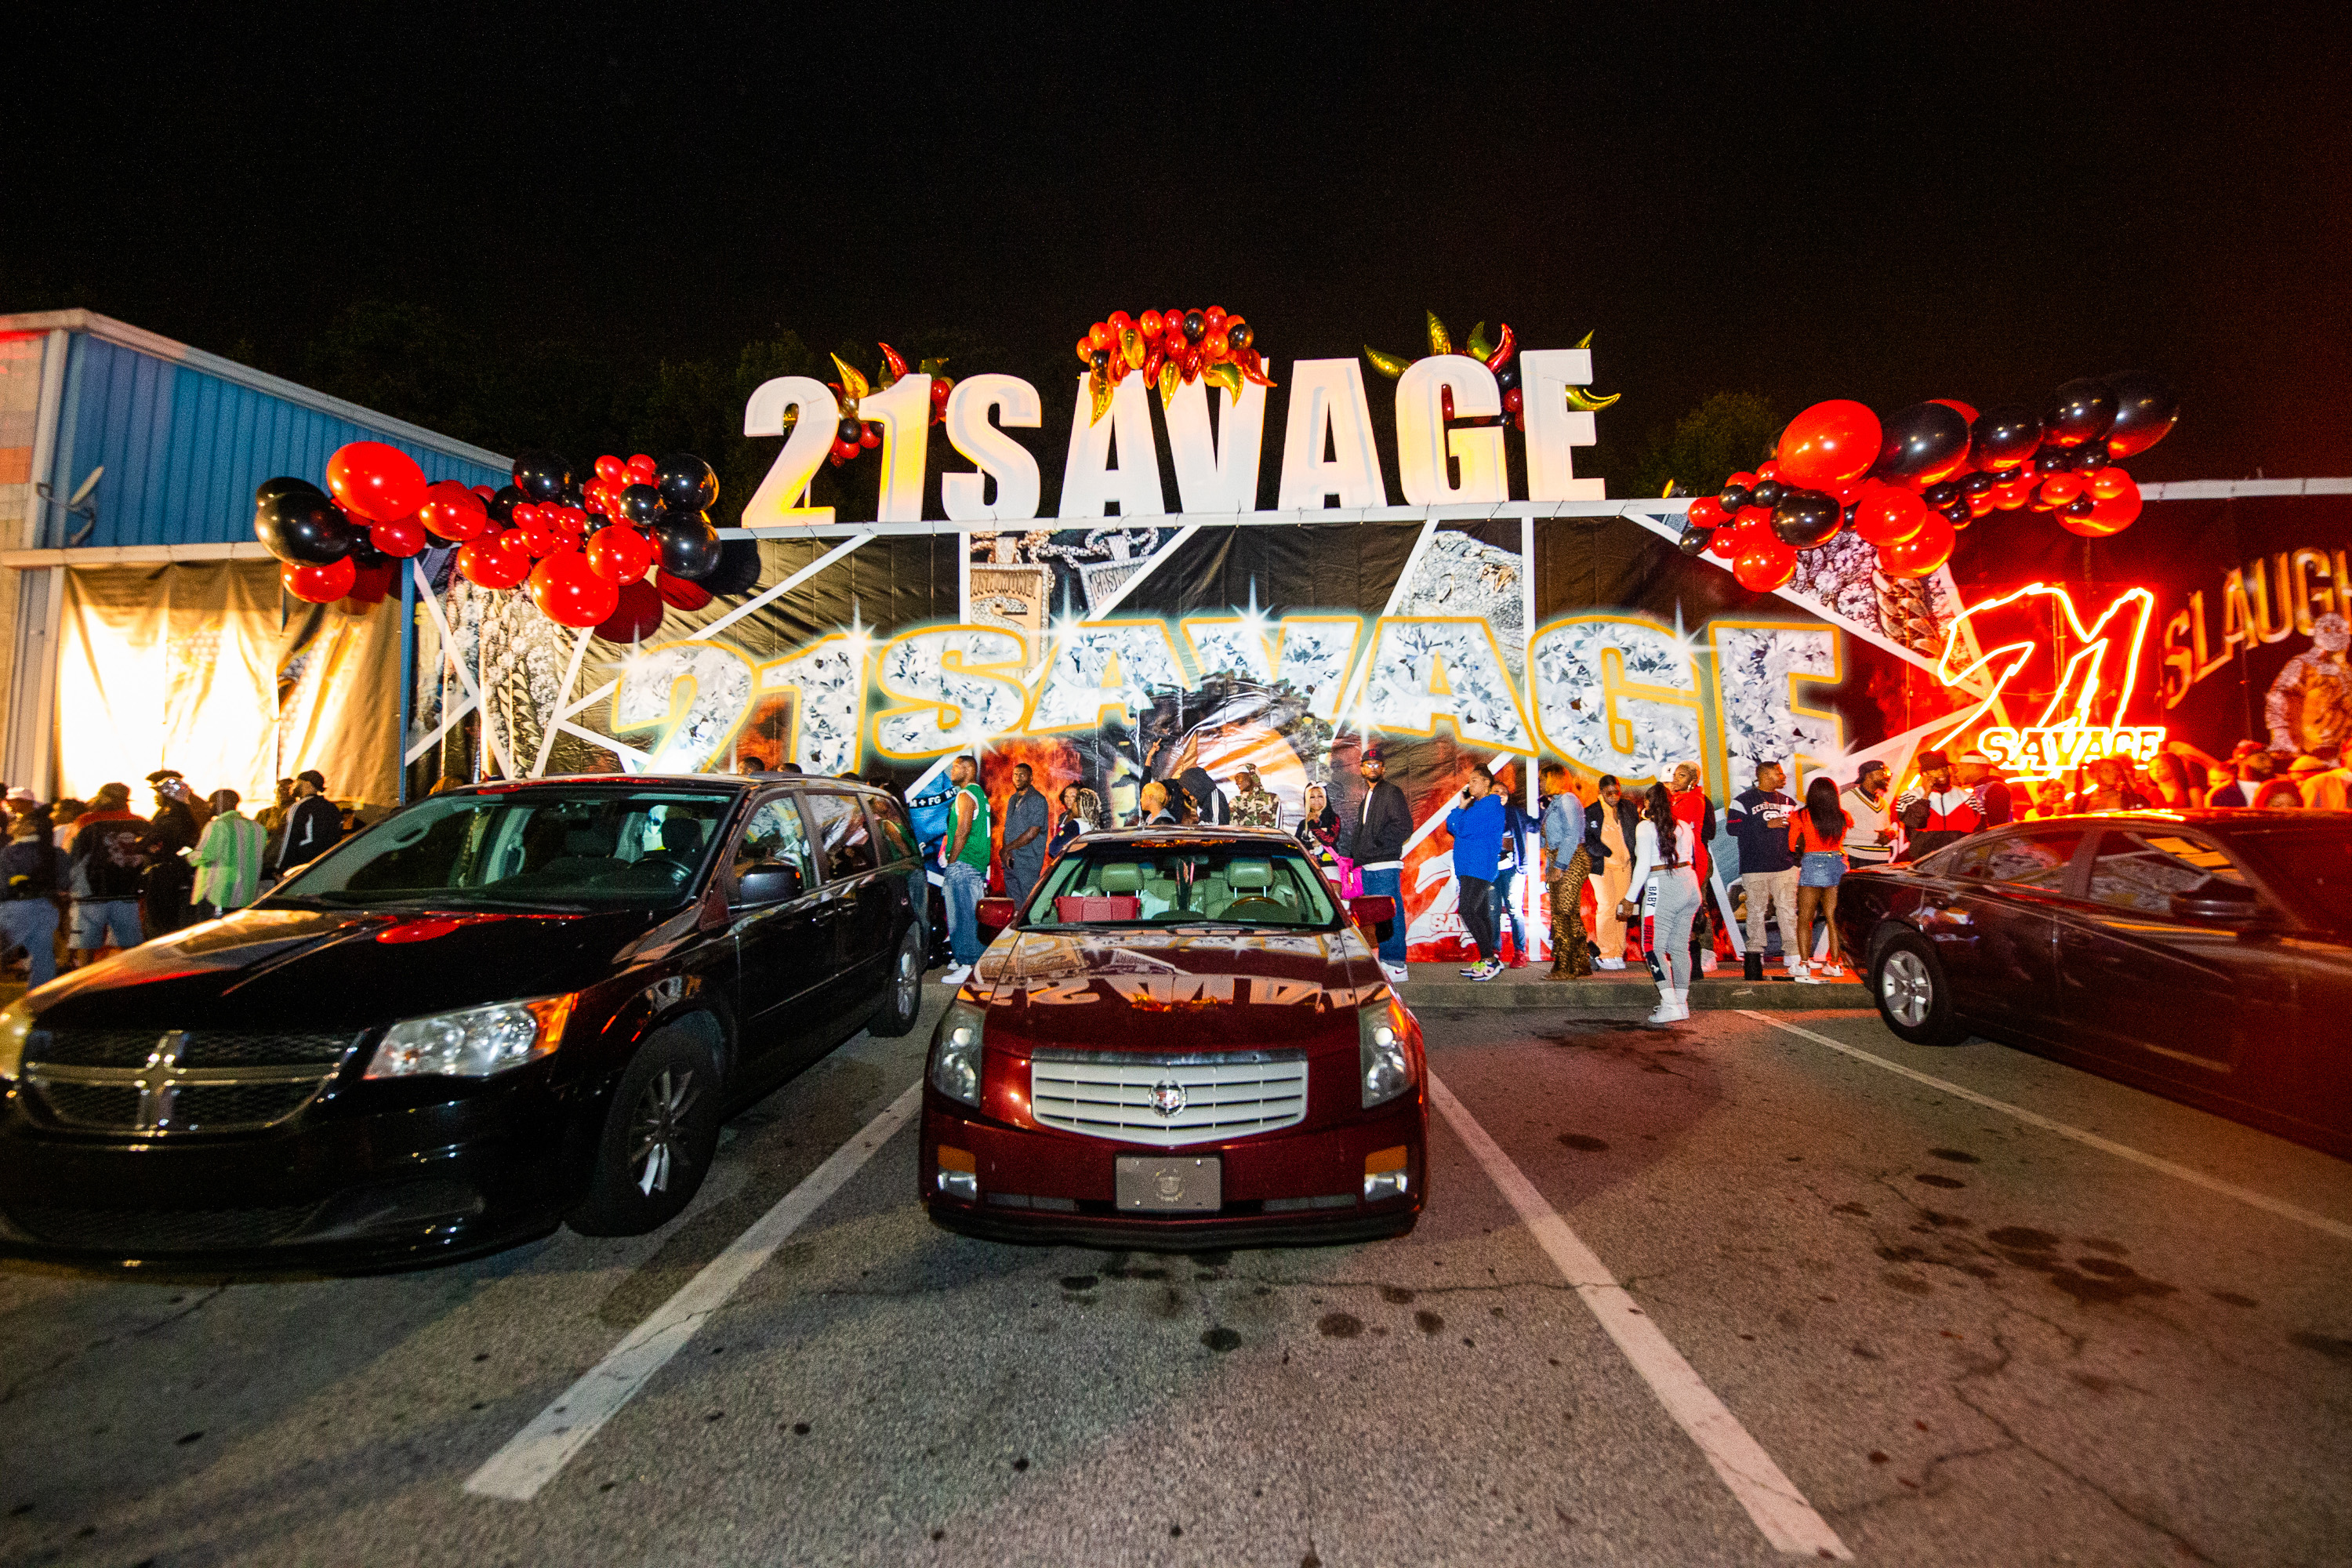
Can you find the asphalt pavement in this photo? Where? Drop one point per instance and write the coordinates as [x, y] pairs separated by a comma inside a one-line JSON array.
[[1999, 1313]]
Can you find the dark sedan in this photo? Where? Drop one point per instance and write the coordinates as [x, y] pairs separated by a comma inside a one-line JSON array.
[[2204, 955], [502, 1009]]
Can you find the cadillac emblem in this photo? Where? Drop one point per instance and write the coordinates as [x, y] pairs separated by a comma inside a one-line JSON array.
[[1167, 1097]]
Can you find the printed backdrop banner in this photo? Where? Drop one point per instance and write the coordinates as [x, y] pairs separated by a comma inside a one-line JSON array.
[[1110, 657]]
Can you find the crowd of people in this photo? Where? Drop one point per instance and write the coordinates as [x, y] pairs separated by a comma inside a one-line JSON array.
[[98, 874]]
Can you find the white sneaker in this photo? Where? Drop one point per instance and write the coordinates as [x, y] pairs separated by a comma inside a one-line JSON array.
[[1472, 973], [1487, 971], [953, 974], [1608, 964], [1804, 976], [1397, 973], [1666, 1009]]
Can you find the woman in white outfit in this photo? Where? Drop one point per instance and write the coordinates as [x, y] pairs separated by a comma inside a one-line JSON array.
[[1664, 850]]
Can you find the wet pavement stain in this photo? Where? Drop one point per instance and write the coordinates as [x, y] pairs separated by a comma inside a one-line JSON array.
[[1396, 1295], [2231, 1299], [2023, 1237], [1078, 1281], [1428, 1323], [1339, 1326], [2325, 1344], [1852, 1209], [1956, 1156], [1579, 1140], [1909, 1284], [1931, 1180], [2112, 1248], [1220, 1339]]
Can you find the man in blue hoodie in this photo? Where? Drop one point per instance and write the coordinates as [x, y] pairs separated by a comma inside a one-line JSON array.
[[1759, 819], [1477, 824]]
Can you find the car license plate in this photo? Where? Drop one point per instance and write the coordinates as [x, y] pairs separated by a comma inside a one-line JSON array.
[[1164, 1183]]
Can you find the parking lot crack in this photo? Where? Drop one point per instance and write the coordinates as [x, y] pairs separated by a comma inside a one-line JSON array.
[[43, 1372]]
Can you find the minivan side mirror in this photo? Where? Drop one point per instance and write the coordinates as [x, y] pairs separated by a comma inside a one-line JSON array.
[[768, 882], [2217, 901]]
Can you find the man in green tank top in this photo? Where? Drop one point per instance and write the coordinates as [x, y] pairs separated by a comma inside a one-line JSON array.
[[963, 854]]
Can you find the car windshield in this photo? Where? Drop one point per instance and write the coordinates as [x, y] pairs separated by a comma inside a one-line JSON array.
[[596, 848], [2311, 868], [1247, 884]]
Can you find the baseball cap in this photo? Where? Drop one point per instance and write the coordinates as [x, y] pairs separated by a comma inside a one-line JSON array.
[[1973, 755], [313, 777], [2301, 766], [27, 795], [161, 774], [1932, 759]]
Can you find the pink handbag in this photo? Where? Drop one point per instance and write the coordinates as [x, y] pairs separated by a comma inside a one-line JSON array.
[[1351, 880]]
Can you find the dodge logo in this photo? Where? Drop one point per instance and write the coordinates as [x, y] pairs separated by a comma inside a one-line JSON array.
[[1167, 1097]]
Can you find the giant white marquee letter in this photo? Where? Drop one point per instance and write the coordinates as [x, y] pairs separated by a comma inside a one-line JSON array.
[[1219, 473], [1553, 427], [965, 496], [1424, 442], [903, 409], [1088, 482], [816, 418], [1327, 400]]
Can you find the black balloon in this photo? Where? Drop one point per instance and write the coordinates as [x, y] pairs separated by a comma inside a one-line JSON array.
[[1693, 539], [642, 504], [2052, 460], [1101, 361], [1733, 497], [364, 554], [501, 505], [1804, 519], [1196, 326], [738, 571], [2090, 457], [270, 490], [1940, 496], [1977, 484], [1767, 493], [305, 528], [1958, 513], [1925, 439], [1506, 378], [2146, 410], [2004, 437], [2082, 505], [1846, 517], [1239, 339], [687, 483], [850, 431], [690, 548], [2081, 412], [541, 475]]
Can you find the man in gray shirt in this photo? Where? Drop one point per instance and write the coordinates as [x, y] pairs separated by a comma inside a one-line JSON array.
[[1024, 837]]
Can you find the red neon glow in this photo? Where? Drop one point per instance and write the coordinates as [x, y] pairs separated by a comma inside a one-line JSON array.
[[2081, 675]]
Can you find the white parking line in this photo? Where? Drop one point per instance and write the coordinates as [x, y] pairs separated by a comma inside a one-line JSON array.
[[1780, 1510], [535, 1455], [2279, 1206]]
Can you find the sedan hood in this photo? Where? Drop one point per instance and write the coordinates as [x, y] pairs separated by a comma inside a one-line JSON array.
[[1157, 991], [316, 969]]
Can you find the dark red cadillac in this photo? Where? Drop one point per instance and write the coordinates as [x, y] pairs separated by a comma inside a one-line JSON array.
[[1183, 1041]]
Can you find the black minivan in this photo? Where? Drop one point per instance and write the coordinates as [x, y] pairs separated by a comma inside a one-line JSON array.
[[502, 1009]]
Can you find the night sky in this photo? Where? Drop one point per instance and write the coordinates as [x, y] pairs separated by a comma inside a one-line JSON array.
[[1888, 203]]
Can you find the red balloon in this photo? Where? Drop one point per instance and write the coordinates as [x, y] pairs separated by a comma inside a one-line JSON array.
[[482, 493], [1828, 445], [1922, 552], [636, 615], [320, 584], [488, 563], [1765, 568], [679, 593], [568, 592], [642, 469], [1770, 470], [400, 540], [621, 553], [372, 584], [1722, 543], [2110, 482], [1706, 512], [1752, 530], [2060, 487], [375, 481], [2117, 511], [611, 469], [1966, 412], [1743, 479], [2011, 496], [454, 512]]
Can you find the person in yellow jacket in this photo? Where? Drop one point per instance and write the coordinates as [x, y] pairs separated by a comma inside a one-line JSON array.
[[228, 859]]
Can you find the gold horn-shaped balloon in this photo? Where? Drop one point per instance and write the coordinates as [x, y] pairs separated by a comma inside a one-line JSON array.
[[1589, 403], [1439, 344], [1390, 366], [1099, 385], [1479, 347], [852, 382]]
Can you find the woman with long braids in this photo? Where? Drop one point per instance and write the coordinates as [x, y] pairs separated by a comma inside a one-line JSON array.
[[1665, 851], [1817, 836]]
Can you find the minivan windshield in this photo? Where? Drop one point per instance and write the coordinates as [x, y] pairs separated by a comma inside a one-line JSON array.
[[1249, 884], [593, 848]]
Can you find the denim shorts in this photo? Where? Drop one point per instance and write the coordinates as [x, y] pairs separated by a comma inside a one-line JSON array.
[[1822, 868]]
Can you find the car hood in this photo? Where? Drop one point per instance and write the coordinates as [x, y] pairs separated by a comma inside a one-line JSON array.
[[325, 970], [1157, 991]]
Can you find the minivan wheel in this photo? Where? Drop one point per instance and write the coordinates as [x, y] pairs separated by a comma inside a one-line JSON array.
[[661, 1131], [903, 998], [1914, 996]]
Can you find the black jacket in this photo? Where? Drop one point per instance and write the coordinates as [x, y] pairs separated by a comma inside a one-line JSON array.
[[29, 869], [1376, 831], [311, 829], [1629, 816]]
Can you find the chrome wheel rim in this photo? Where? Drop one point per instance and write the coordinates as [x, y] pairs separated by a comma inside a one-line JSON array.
[[909, 981], [658, 1140], [1904, 987]]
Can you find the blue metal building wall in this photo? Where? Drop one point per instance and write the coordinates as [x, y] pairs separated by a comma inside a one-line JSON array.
[[183, 449]]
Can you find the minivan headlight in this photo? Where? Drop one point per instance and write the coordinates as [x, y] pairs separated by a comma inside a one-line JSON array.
[[1379, 1035], [474, 1043], [15, 1026], [955, 1052]]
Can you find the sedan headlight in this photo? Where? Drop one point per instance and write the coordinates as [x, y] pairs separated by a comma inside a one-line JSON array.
[[475, 1043], [1379, 1033], [955, 1052], [15, 1024]]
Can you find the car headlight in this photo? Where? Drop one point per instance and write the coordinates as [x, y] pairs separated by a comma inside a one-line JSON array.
[[1379, 1035], [955, 1052], [15, 1024], [474, 1043]]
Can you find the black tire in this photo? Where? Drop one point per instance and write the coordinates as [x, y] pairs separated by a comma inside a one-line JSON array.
[[661, 1131], [902, 988], [1914, 993]]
